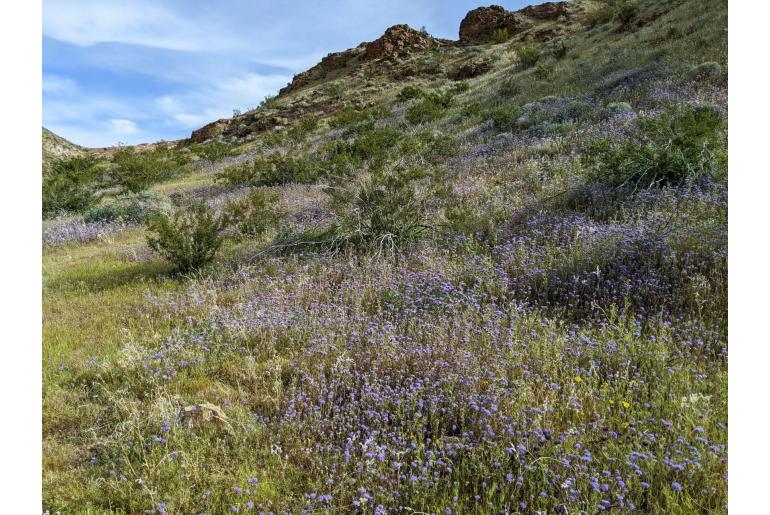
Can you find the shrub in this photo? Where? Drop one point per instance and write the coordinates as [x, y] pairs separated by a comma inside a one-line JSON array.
[[559, 49], [70, 185], [500, 36], [410, 92], [425, 111], [707, 69], [271, 170], [528, 52], [268, 102], [353, 119], [188, 239], [544, 71], [137, 171], [131, 207], [509, 88], [254, 214], [381, 212], [627, 11], [670, 149], [212, 151], [460, 87], [600, 16], [503, 117], [305, 126]]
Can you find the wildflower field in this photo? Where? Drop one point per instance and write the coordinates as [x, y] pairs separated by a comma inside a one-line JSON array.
[[516, 303]]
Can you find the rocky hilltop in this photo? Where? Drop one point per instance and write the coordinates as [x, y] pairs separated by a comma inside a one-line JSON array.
[[355, 76]]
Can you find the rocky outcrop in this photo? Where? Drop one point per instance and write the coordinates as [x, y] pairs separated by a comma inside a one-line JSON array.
[[399, 41], [471, 69], [548, 11], [209, 131], [479, 24]]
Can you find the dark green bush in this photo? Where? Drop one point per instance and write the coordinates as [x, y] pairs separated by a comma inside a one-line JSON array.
[[70, 185], [528, 52], [189, 239], [353, 119], [131, 207], [503, 117], [271, 170], [137, 171], [381, 212], [305, 126], [559, 49], [670, 149], [460, 87], [500, 36], [212, 151], [254, 214], [410, 92], [626, 11], [544, 71], [433, 107]]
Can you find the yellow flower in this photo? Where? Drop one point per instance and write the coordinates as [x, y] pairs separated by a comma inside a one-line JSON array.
[[578, 379], [612, 402], [626, 405]]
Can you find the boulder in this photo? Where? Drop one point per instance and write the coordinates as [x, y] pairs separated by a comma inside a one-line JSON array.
[[398, 41], [209, 131], [479, 24], [548, 11], [471, 69]]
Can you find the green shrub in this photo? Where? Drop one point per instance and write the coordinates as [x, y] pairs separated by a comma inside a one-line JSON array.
[[509, 88], [500, 36], [670, 149], [189, 239], [460, 87], [528, 53], [271, 170], [707, 69], [212, 151], [353, 119], [559, 49], [503, 117], [544, 71], [137, 171], [70, 185], [472, 109], [626, 11], [254, 214], [301, 130], [132, 207], [425, 111], [381, 212], [600, 16], [410, 92]]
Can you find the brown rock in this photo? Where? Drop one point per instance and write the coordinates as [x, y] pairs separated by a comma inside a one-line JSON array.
[[204, 414], [479, 24], [471, 69], [209, 131], [547, 11], [398, 41]]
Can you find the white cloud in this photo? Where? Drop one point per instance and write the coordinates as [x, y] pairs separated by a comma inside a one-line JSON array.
[[121, 126], [55, 85]]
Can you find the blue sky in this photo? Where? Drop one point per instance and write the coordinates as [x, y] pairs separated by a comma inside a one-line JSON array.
[[141, 71]]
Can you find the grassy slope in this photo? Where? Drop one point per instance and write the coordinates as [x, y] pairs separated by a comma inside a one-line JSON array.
[[108, 306]]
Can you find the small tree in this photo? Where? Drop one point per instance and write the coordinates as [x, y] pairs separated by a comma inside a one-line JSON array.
[[189, 239], [69, 185]]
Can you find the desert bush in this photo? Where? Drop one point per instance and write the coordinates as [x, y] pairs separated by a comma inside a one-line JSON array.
[[544, 71], [409, 92], [600, 16], [707, 69], [460, 87], [503, 117], [626, 11], [433, 107], [301, 130], [254, 214], [131, 207], [559, 49], [382, 211], [351, 118], [268, 102], [509, 88], [528, 53], [189, 239], [212, 151], [675, 147], [70, 185], [271, 170], [137, 171], [500, 36]]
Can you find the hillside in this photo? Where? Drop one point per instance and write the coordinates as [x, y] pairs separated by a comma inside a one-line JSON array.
[[483, 275], [56, 147]]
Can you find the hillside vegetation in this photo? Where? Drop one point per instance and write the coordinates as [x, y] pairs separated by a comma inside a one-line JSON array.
[[484, 276]]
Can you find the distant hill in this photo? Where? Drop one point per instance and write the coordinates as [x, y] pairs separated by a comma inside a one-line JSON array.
[[56, 147]]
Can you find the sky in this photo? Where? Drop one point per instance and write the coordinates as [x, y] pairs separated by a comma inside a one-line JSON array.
[[148, 70]]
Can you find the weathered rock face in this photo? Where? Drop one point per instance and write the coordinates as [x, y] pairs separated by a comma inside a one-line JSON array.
[[545, 12], [479, 24], [209, 131], [471, 69], [398, 41]]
